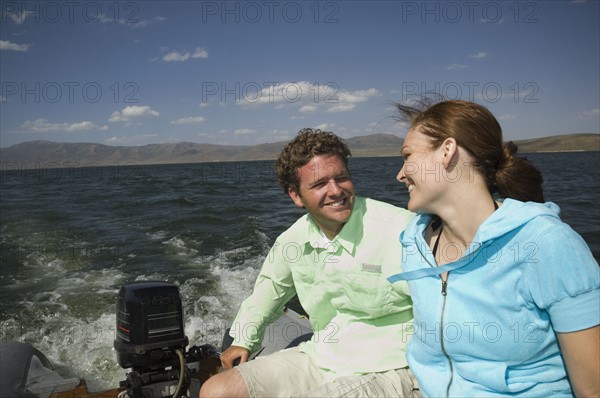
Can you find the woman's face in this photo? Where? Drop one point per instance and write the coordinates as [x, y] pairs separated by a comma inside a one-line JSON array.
[[422, 171]]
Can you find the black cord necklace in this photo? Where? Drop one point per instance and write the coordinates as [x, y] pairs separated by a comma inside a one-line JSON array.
[[437, 223]]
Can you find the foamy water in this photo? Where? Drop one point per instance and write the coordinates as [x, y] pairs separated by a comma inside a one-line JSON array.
[[69, 244]]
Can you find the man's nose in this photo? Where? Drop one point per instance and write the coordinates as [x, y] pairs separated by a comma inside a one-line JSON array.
[[334, 188]]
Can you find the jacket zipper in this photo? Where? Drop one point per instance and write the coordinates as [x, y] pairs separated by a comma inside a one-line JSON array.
[[444, 292]]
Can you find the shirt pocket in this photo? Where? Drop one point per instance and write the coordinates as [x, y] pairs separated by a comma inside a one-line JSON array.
[[304, 274], [368, 292]]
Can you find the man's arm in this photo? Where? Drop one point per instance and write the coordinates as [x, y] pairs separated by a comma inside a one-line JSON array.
[[274, 287], [581, 351]]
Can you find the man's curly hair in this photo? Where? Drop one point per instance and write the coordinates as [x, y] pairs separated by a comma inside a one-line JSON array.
[[307, 144]]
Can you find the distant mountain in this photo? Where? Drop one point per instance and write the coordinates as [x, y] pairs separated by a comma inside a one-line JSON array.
[[561, 143], [32, 153], [35, 153], [375, 145]]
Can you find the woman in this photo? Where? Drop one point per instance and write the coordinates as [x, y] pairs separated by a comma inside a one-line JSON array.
[[506, 296]]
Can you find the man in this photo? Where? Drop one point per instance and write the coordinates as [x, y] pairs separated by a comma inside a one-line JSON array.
[[336, 259]]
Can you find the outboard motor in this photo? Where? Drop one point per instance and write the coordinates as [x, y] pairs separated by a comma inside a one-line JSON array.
[[150, 339], [150, 326]]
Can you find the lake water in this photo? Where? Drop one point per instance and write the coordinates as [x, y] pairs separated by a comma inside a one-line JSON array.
[[71, 237]]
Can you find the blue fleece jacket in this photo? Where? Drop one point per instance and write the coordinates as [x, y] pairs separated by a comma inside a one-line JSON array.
[[525, 276]]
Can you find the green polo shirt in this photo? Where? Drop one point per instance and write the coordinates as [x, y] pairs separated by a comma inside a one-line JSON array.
[[361, 325]]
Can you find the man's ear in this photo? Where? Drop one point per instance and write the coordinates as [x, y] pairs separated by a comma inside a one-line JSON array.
[[295, 197]]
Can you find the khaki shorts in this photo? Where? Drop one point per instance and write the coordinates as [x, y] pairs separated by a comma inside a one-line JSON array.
[[291, 373]]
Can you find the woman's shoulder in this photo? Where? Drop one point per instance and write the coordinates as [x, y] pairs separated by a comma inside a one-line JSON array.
[[532, 219], [545, 224]]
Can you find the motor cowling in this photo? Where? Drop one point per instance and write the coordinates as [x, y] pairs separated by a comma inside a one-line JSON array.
[[149, 325]]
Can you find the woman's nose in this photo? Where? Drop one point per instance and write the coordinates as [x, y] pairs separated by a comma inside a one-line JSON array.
[[401, 175]]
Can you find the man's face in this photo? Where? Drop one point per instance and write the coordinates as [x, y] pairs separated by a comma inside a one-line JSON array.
[[326, 191]]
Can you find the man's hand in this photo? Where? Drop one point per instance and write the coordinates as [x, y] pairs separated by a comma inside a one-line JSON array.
[[230, 355]]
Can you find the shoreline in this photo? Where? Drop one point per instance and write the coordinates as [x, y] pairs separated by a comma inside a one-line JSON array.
[[8, 167]]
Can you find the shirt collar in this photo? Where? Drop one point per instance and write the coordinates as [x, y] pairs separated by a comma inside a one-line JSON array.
[[349, 236]]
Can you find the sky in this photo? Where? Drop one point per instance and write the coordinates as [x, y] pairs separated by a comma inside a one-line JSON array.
[[129, 73]]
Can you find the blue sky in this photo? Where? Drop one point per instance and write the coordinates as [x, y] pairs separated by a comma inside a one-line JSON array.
[[250, 72]]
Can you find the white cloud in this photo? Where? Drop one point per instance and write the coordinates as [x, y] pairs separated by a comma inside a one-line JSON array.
[[357, 96], [276, 135], [308, 108], [479, 55], [132, 112], [456, 66], [308, 97], [84, 126], [189, 120], [341, 108], [113, 140], [506, 116], [175, 56], [589, 114], [200, 53], [244, 132], [7, 45], [280, 93], [325, 126], [19, 17], [131, 21], [142, 23], [345, 101], [139, 139], [44, 126]]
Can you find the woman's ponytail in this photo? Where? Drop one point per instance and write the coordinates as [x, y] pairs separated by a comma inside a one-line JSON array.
[[517, 177]]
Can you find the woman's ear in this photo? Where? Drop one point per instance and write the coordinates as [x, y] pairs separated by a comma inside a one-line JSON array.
[[450, 152]]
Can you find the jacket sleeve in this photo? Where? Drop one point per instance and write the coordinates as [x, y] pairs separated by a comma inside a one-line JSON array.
[[274, 287], [564, 279]]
